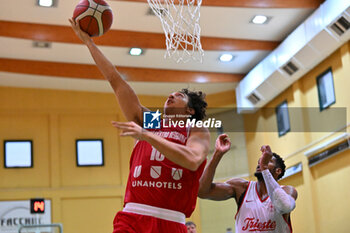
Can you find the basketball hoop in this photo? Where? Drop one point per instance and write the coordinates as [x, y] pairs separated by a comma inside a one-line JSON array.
[[180, 23]]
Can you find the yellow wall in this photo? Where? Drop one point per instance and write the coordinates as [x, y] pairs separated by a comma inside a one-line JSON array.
[[53, 120], [323, 197], [218, 216], [323, 202], [84, 199]]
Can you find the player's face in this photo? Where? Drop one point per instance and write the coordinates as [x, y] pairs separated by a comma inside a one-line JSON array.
[[176, 101], [191, 229], [271, 166]]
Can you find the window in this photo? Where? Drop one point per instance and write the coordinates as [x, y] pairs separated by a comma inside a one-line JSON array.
[[89, 152], [282, 116], [293, 170], [18, 153], [325, 87]]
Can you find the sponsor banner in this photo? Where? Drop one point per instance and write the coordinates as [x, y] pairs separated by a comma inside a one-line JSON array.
[[13, 214]]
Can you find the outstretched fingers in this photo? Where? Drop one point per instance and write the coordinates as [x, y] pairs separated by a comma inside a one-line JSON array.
[[83, 36], [122, 125], [128, 129], [73, 23]]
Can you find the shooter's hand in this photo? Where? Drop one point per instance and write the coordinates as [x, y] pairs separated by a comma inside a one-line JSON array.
[[83, 36], [130, 129]]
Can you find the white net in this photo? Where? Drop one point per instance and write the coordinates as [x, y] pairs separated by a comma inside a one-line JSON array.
[[180, 22]]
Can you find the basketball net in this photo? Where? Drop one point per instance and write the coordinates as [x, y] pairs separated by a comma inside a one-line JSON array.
[[180, 23]]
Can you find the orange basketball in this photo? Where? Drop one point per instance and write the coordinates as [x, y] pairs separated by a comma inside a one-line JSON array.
[[95, 16]]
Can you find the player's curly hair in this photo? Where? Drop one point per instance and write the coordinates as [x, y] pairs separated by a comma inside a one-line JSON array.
[[196, 101], [280, 164]]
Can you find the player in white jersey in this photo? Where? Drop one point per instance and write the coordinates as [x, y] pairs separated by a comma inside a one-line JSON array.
[[263, 205]]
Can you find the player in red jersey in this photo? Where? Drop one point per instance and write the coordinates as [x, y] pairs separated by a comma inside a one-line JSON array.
[[166, 163]]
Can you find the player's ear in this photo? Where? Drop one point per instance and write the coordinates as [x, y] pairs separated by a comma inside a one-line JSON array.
[[278, 171], [190, 111]]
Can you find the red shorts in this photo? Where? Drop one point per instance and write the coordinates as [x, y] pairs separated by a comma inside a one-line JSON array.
[[125, 222]]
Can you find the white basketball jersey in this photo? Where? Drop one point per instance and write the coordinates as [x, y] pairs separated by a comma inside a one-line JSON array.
[[256, 215]]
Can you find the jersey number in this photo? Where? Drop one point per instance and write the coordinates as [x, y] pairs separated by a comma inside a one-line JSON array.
[[156, 155]]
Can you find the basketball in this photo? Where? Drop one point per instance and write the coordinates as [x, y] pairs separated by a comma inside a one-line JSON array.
[[95, 16]]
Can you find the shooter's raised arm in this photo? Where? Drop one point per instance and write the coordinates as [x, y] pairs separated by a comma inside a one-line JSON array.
[[126, 96]]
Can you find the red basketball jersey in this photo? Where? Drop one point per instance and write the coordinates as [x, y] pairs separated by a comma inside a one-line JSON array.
[[154, 180]]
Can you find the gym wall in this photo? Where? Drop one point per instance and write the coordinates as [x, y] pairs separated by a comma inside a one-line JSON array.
[[84, 199], [323, 202]]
